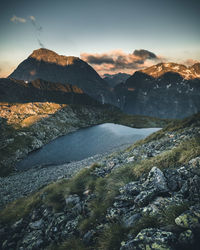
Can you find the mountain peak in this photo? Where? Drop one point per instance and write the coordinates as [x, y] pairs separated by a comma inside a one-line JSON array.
[[162, 68], [50, 56]]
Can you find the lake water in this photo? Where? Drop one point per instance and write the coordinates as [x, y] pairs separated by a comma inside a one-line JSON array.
[[84, 143]]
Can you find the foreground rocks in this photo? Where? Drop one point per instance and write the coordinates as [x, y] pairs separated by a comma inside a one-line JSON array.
[[136, 201]]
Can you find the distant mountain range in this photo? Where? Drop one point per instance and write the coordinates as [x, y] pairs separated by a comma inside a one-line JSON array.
[[115, 79], [48, 65], [165, 90]]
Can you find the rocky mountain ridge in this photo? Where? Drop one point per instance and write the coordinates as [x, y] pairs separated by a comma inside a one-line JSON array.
[[191, 72]]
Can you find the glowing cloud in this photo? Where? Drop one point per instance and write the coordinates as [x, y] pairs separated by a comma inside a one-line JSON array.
[[16, 19], [119, 61]]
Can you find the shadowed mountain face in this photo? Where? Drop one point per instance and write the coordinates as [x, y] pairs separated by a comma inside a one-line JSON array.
[[12, 90], [115, 79], [164, 90], [47, 65]]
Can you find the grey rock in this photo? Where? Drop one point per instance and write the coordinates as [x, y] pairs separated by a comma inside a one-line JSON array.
[[132, 220], [151, 238], [132, 188], [186, 238], [157, 180], [72, 200], [37, 224], [145, 197], [188, 219], [88, 237]]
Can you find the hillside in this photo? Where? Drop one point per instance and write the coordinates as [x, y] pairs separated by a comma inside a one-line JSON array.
[[18, 91], [144, 197]]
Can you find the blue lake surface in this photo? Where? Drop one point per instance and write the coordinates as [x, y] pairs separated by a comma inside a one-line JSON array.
[[84, 143]]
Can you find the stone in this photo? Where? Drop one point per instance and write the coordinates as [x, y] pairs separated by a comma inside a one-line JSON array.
[[72, 200], [151, 238], [132, 188], [88, 237], [132, 220], [37, 224], [145, 197], [157, 180], [32, 239], [187, 220], [186, 238]]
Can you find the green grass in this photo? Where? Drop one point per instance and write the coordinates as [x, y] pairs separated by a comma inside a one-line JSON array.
[[111, 237], [169, 215], [173, 158]]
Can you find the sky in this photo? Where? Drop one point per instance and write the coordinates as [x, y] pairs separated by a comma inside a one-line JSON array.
[[111, 35]]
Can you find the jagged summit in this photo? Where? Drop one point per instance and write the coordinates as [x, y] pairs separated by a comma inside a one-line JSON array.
[[159, 69], [50, 56]]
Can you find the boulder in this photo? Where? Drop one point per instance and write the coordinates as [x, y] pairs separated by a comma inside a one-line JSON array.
[[186, 238], [188, 220], [37, 225], [157, 180], [151, 238]]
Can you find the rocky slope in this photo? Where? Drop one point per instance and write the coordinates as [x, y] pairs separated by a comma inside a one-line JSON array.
[[144, 197], [48, 65], [163, 90]]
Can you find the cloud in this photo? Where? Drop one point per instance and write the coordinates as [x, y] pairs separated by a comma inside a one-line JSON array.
[[119, 61], [16, 19], [38, 29], [190, 62], [144, 54], [32, 18]]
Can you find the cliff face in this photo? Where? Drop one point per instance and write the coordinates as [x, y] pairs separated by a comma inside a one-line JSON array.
[[161, 92], [48, 65]]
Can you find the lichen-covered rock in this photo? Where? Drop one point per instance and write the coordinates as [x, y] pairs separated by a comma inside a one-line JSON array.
[[186, 238], [33, 240], [145, 197], [151, 238], [187, 220], [130, 221], [157, 180], [132, 188], [36, 224]]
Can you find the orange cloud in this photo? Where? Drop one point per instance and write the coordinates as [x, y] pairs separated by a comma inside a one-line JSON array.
[[190, 62], [119, 61]]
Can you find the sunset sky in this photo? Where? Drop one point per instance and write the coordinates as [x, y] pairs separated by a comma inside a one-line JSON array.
[[105, 33]]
